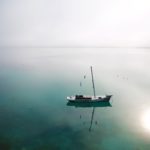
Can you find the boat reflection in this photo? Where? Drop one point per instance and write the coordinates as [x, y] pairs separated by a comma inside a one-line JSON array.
[[99, 104], [94, 105]]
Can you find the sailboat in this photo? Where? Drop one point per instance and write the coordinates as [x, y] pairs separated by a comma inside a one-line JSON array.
[[89, 99]]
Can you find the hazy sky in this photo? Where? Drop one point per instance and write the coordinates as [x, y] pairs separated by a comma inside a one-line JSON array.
[[75, 23]]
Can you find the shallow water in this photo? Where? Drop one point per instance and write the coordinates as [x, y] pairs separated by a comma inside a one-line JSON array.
[[34, 114]]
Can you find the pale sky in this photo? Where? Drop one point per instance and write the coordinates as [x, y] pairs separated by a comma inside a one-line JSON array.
[[75, 23]]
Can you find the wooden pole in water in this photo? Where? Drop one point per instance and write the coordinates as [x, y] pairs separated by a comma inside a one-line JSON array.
[[93, 81]]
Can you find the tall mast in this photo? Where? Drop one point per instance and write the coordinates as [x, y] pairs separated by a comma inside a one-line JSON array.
[[93, 82]]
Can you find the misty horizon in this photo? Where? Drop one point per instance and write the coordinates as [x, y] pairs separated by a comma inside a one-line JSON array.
[[36, 23]]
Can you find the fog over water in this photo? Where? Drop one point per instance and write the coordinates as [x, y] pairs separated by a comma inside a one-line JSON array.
[[80, 23]]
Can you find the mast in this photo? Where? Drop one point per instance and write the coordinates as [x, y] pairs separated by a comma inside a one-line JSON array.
[[93, 81]]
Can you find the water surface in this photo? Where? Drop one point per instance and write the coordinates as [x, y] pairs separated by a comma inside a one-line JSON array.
[[34, 114]]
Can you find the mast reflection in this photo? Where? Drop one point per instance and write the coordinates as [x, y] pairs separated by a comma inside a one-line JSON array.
[[94, 105]]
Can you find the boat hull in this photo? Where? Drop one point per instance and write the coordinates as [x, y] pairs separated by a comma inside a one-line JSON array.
[[88, 99]]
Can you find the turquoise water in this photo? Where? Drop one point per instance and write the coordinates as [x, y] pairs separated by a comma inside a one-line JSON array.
[[34, 114]]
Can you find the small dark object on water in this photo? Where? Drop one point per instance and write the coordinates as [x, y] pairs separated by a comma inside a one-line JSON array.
[[80, 83]]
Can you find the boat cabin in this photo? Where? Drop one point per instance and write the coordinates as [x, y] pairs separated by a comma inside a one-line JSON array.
[[82, 97]]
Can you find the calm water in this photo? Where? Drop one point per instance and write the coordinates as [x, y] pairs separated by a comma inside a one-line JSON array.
[[34, 114]]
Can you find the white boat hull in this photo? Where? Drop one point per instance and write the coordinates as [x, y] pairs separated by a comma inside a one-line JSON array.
[[87, 99]]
